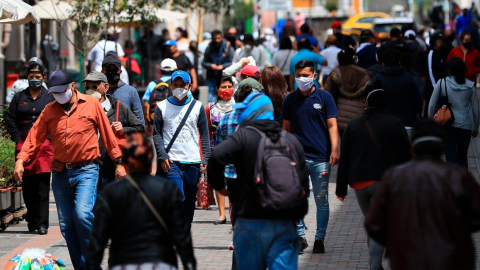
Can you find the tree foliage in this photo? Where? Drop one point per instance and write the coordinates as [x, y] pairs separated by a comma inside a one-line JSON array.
[[241, 11]]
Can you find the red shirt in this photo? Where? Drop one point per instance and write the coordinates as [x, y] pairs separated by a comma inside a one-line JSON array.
[[471, 59], [74, 135]]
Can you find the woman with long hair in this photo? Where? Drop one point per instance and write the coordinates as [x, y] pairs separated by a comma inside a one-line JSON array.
[[215, 111], [283, 56], [463, 97], [181, 36], [371, 144], [347, 84], [276, 88]]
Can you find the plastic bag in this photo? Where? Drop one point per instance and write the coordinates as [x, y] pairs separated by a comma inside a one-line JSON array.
[[12, 263], [36, 265], [205, 196]]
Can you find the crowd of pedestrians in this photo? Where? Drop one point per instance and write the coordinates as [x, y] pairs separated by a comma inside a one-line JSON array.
[[271, 132]]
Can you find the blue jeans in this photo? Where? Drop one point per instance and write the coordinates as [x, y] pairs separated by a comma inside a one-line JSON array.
[[420, 84], [456, 148], [262, 243], [212, 89], [320, 193], [75, 191], [185, 176]]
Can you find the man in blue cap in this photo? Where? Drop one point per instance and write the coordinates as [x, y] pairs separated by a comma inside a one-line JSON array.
[[73, 122], [176, 124], [264, 236], [183, 63]]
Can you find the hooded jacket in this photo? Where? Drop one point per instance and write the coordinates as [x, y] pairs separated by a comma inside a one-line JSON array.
[[464, 102], [418, 58], [367, 56], [471, 60], [238, 149], [360, 158], [424, 214], [403, 96], [347, 84]]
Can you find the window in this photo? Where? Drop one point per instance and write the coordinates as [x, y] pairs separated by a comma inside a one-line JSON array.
[[366, 20]]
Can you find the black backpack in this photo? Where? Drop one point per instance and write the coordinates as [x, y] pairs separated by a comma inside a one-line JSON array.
[[161, 92], [277, 185]]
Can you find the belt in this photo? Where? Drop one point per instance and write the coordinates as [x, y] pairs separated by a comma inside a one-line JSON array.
[[60, 166]]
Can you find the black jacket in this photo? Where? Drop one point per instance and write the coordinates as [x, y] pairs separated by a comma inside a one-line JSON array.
[[23, 111], [403, 96], [241, 149], [418, 58], [360, 158], [129, 122], [424, 214], [136, 235]]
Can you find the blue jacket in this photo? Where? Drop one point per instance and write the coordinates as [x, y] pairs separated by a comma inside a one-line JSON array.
[[367, 56], [128, 96], [221, 56]]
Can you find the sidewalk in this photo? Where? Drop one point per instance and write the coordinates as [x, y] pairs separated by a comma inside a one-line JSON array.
[[345, 244]]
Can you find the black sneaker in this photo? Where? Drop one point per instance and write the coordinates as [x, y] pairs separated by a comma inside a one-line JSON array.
[[302, 242], [318, 247]]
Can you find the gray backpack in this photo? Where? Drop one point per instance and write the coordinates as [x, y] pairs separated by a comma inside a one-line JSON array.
[[277, 185]]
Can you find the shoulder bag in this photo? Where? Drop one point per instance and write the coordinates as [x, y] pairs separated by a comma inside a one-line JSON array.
[[444, 114]]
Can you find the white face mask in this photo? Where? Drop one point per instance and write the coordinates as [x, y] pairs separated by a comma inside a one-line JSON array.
[[180, 93], [94, 93], [176, 35], [64, 97], [305, 83], [248, 47]]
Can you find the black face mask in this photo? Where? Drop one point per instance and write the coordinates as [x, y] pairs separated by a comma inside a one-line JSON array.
[[468, 45], [113, 77], [35, 84], [216, 44]]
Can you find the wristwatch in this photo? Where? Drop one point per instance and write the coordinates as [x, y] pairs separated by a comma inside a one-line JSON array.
[[119, 162]]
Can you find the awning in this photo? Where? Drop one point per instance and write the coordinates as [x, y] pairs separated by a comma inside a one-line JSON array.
[[22, 12]]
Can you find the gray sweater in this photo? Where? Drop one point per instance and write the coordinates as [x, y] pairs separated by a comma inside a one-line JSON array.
[[464, 102], [128, 96]]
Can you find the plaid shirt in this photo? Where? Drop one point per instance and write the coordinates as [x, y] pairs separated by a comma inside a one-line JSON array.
[[227, 126]]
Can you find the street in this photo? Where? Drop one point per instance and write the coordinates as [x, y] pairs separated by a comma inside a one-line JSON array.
[[345, 245]]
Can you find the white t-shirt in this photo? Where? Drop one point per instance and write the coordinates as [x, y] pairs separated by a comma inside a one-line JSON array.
[[102, 48]]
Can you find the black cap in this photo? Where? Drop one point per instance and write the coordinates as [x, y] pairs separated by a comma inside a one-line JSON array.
[[435, 37], [111, 60], [59, 80]]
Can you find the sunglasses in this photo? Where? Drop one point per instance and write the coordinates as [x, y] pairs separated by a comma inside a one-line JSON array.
[[93, 87]]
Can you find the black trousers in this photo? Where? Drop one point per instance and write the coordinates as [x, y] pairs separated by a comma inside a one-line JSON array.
[[36, 189]]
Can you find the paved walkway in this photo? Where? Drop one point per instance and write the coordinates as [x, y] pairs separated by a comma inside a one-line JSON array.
[[345, 244]]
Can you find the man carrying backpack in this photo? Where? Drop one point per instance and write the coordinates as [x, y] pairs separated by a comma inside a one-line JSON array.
[[168, 67], [271, 189]]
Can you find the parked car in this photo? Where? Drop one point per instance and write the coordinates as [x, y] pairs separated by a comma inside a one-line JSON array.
[[361, 21], [384, 25]]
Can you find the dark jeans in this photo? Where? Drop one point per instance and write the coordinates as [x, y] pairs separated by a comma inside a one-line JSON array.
[[36, 189], [185, 176], [365, 199], [457, 146], [106, 177]]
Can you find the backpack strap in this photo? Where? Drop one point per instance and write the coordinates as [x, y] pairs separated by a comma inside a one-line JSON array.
[[179, 128]]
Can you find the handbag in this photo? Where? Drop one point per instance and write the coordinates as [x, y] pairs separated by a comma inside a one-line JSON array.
[[120, 138], [444, 115]]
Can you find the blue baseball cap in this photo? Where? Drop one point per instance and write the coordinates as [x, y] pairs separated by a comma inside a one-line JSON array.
[[181, 74], [59, 80], [171, 43]]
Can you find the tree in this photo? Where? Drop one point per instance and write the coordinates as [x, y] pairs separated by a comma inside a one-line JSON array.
[[202, 7], [241, 12], [90, 19], [332, 7]]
